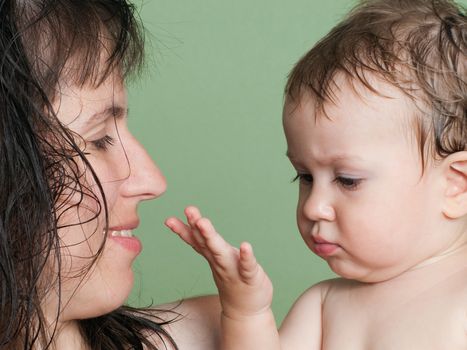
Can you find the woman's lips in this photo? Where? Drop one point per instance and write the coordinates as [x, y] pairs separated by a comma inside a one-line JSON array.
[[130, 243], [123, 235]]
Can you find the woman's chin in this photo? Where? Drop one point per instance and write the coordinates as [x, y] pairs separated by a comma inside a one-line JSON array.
[[97, 299]]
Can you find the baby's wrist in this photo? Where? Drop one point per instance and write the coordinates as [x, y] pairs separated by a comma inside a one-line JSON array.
[[246, 315]]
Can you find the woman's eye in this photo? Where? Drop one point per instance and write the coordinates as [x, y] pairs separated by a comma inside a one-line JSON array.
[[103, 143], [303, 178], [348, 182]]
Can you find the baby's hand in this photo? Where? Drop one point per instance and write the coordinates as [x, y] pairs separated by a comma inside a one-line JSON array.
[[244, 288]]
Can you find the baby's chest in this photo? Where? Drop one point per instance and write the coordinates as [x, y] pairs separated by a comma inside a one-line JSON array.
[[418, 323]]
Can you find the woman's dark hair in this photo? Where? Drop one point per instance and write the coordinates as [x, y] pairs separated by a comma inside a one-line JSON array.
[[39, 159]]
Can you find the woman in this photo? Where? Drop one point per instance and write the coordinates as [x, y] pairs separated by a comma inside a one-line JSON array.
[[72, 176]]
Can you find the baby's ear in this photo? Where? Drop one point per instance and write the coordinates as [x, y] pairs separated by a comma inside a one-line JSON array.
[[455, 195]]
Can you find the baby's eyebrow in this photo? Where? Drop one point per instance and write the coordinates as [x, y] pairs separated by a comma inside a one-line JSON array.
[[343, 157], [291, 158], [331, 158]]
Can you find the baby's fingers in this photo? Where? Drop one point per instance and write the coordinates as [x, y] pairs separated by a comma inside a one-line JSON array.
[[182, 230], [193, 215], [248, 264], [223, 254]]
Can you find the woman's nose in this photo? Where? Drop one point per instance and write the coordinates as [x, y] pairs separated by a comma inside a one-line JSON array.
[[145, 179], [317, 206]]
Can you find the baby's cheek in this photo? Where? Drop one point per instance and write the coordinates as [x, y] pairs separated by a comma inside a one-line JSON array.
[[302, 228], [368, 233]]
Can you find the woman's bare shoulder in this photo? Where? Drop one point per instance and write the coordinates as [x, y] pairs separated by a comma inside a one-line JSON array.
[[194, 323]]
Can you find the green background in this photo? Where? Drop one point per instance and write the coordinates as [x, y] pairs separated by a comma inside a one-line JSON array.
[[208, 109]]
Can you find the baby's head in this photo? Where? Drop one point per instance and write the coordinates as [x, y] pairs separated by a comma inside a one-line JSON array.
[[376, 125]]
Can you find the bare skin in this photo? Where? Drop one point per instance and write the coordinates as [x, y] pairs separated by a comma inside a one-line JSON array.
[[110, 281], [395, 232], [335, 314], [198, 326], [244, 288]]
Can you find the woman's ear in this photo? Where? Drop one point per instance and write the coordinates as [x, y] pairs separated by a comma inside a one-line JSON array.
[[455, 194]]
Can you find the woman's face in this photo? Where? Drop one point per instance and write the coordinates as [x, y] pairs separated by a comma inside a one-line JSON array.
[[128, 176]]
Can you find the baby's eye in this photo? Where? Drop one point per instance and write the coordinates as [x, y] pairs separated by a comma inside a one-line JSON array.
[[303, 178], [347, 182], [103, 143]]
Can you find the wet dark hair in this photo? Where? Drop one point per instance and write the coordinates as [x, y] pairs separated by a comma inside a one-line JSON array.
[[418, 46], [39, 160]]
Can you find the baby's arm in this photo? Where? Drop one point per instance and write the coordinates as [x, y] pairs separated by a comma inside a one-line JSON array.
[[244, 288], [302, 327]]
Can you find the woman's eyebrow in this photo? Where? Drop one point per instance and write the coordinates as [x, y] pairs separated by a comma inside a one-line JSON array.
[[111, 111]]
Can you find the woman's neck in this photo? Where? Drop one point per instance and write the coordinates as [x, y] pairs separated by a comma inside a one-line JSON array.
[[68, 336]]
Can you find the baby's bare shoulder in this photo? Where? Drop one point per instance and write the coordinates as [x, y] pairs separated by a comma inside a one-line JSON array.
[[316, 295], [193, 323], [301, 328], [456, 294]]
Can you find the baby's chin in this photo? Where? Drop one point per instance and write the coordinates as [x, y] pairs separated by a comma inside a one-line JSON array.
[[362, 274]]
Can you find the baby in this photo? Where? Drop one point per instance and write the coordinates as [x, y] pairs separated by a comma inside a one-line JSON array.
[[375, 118]]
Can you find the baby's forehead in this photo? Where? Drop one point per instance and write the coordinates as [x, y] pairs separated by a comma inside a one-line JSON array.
[[348, 96], [357, 120]]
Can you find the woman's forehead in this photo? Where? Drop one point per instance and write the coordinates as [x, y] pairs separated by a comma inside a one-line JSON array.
[[82, 104]]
